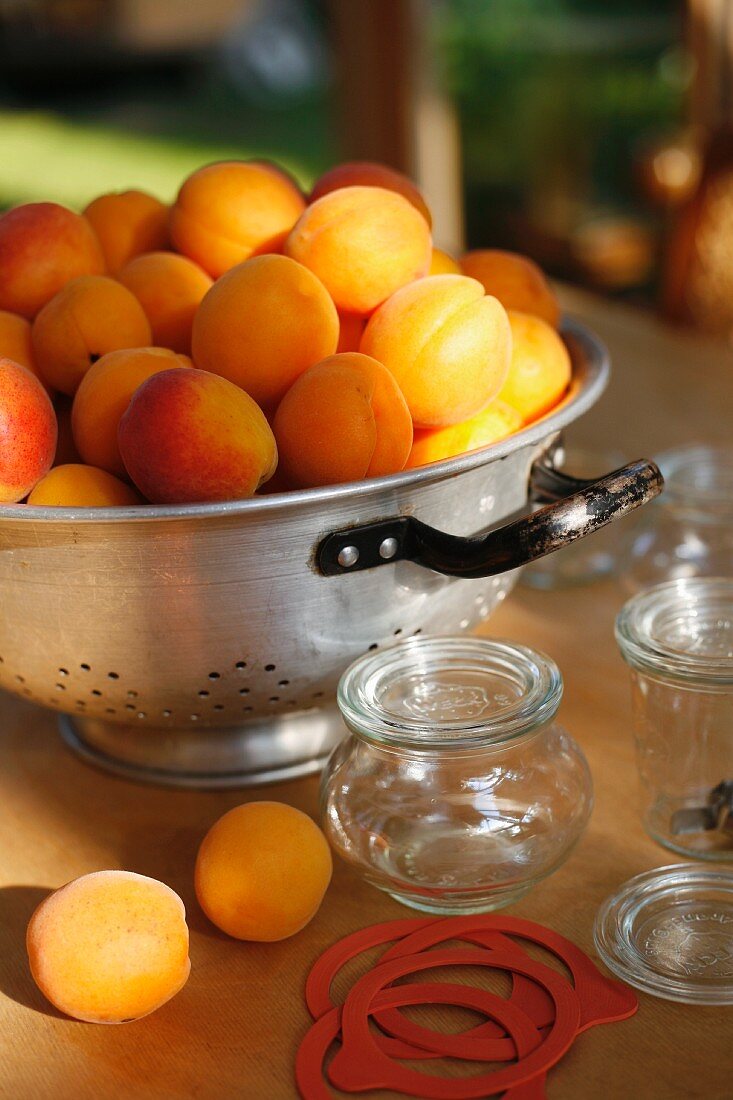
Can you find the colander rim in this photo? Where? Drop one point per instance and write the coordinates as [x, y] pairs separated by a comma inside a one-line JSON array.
[[590, 361]]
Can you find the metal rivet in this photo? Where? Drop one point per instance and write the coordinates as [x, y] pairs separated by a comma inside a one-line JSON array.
[[348, 556], [388, 549]]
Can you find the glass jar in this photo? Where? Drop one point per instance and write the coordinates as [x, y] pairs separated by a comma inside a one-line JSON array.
[[677, 638], [688, 530], [456, 791]]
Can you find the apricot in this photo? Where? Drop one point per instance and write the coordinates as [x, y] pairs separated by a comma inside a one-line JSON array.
[[366, 173], [89, 317], [447, 345], [497, 421], [443, 264], [189, 436], [343, 420], [109, 947], [127, 223], [262, 871], [515, 280], [363, 243], [351, 330], [231, 210], [262, 324], [43, 246], [103, 395], [27, 431], [540, 368], [74, 485], [15, 341], [170, 289]]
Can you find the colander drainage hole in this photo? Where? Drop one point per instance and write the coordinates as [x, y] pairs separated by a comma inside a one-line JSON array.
[[398, 631], [63, 672], [214, 675], [132, 695], [167, 713], [80, 703], [270, 668], [274, 698], [85, 666], [96, 691], [244, 691], [141, 714], [218, 706], [113, 675], [318, 694], [203, 694], [247, 709], [241, 664], [129, 706], [283, 683], [110, 710], [194, 717], [20, 679], [374, 645], [61, 687]]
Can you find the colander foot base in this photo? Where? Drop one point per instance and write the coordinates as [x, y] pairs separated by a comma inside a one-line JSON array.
[[269, 751]]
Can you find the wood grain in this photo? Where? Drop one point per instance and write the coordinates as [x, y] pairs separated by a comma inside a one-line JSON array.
[[234, 1029]]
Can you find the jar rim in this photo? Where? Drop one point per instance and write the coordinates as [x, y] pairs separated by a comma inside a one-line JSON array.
[[681, 629], [449, 693], [698, 476]]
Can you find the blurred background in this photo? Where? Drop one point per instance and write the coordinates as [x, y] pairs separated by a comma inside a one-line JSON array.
[[593, 136]]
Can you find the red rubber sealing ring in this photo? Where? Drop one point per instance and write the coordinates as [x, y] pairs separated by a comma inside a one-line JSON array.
[[360, 1064], [484, 1043], [314, 1046], [601, 999]]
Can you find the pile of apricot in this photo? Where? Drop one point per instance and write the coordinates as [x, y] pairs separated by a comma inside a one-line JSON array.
[[189, 353]]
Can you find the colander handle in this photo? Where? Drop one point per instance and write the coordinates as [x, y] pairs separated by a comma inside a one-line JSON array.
[[573, 508]]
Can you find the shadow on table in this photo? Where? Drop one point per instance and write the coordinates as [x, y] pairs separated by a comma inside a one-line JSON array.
[[17, 904]]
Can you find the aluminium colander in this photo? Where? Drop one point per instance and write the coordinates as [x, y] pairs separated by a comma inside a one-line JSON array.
[[202, 644]]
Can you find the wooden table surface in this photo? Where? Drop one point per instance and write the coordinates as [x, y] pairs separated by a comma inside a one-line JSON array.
[[233, 1031]]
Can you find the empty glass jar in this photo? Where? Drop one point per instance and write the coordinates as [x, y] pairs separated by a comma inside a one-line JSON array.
[[457, 791], [688, 530], [677, 637]]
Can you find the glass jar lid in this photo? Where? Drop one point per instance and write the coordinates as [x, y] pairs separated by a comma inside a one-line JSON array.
[[443, 692], [669, 932], [682, 629]]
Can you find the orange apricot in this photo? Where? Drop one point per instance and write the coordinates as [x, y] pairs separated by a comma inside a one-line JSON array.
[[515, 280], [15, 341], [43, 246], [443, 264], [366, 173], [231, 210], [105, 392], [170, 289], [363, 243], [74, 485], [109, 947], [127, 223], [262, 324], [344, 419], [28, 431], [351, 330], [540, 368], [497, 421], [262, 871], [447, 345], [89, 317], [189, 436]]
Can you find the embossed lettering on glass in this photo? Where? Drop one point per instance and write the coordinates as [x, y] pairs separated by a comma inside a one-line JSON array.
[[457, 790]]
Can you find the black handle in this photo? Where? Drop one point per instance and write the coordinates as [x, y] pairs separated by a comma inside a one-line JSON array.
[[577, 509]]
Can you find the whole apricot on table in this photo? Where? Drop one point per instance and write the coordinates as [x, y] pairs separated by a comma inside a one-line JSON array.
[[27, 431], [89, 317], [42, 247], [170, 289], [190, 436], [497, 421], [540, 368], [446, 343], [443, 264], [262, 324], [229, 211], [262, 870], [363, 243], [15, 341], [367, 173], [103, 395], [74, 485], [127, 223], [109, 947], [518, 282], [343, 420]]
